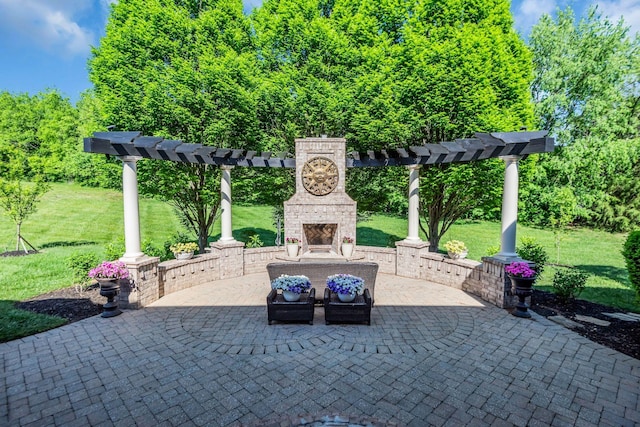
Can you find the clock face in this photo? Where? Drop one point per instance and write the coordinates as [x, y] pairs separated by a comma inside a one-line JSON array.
[[320, 176]]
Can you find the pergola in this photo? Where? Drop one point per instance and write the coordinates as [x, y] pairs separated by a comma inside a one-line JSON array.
[[509, 146]]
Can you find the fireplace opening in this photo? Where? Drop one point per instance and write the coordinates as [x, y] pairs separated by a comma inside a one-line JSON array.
[[320, 237]]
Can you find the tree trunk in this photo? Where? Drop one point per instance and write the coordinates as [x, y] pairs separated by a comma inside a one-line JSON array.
[[203, 236], [18, 237]]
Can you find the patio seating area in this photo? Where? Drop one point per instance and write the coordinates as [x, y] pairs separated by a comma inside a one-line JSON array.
[[433, 355]]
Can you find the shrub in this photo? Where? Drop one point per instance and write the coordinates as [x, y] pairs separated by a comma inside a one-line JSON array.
[[569, 283], [532, 251], [80, 263], [114, 250], [493, 250], [254, 241], [631, 253]]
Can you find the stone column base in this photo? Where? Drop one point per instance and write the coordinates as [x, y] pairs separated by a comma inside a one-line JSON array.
[[143, 286]]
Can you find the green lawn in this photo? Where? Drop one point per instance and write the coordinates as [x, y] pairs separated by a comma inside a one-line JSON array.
[[72, 218]]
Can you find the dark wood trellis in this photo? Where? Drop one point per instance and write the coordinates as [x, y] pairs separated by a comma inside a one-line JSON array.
[[482, 146]]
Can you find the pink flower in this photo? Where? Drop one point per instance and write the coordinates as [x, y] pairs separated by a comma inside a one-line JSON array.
[[110, 270]]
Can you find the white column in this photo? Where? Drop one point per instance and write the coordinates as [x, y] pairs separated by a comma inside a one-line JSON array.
[[225, 204], [131, 210], [414, 204], [509, 208]]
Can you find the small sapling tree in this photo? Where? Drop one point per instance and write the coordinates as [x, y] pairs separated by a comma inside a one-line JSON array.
[[18, 201]]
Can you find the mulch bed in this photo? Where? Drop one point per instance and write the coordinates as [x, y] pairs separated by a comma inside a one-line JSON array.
[[620, 335], [67, 303]]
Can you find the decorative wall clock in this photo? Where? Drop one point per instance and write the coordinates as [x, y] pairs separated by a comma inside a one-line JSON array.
[[320, 176]]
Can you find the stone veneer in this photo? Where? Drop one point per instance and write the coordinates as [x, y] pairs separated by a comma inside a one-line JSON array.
[[333, 208], [153, 280]]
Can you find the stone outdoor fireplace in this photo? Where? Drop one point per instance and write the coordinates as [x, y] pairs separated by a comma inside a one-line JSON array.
[[320, 214]]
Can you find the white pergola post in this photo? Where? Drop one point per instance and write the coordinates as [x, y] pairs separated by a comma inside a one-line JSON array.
[[225, 204], [131, 210], [509, 209], [414, 204]]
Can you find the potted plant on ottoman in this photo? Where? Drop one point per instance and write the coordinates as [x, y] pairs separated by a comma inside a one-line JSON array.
[[292, 244], [346, 286], [183, 250], [108, 274], [291, 286], [456, 249], [522, 277]]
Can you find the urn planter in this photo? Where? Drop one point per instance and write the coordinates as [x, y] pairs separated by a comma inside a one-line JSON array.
[[523, 289], [110, 288], [292, 250], [347, 249]]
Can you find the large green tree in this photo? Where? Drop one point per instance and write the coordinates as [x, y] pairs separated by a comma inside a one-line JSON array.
[[37, 133], [463, 70], [182, 70], [586, 93]]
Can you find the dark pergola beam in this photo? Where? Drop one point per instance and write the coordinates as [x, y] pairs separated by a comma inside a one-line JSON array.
[[481, 146]]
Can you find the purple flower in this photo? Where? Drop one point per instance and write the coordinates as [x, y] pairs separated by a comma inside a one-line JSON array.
[[345, 284], [520, 269]]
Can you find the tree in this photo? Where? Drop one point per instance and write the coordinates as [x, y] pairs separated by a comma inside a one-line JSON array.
[[443, 200], [463, 70], [586, 94], [183, 70], [38, 132], [19, 201]]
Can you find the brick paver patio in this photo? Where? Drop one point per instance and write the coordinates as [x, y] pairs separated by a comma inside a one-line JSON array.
[[206, 356]]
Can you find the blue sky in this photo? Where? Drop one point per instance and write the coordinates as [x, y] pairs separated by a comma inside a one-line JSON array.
[[44, 44]]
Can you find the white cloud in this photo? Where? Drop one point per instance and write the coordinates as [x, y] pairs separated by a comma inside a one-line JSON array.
[[529, 12], [48, 24], [629, 10]]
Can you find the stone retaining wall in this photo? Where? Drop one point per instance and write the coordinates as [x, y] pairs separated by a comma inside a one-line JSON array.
[[152, 280], [176, 275]]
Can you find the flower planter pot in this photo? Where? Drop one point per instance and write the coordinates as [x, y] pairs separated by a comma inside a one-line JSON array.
[[347, 297], [109, 288], [460, 255], [290, 296], [523, 289], [183, 255], [292, 250], [347, 249]]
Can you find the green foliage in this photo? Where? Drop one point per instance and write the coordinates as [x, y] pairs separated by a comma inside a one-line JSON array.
[[631, 253], [449, 191], [254, 241], [37, 134], [533, 251], [585, 94], [493, 250], [80, 263], [569, 283], [114, 250], [19, 201], [183, 70]]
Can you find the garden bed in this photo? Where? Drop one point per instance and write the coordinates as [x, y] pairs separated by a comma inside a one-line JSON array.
[[620, 335]]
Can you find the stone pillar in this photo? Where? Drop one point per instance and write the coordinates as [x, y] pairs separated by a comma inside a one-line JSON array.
[[509, 209], [131, 210], [226, 235], [414, 204]]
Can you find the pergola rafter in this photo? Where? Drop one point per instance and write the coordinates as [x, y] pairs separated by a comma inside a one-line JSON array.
[[482, 146]]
